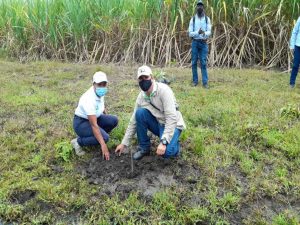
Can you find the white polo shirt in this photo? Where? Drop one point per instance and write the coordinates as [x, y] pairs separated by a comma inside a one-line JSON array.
[[90, 104]]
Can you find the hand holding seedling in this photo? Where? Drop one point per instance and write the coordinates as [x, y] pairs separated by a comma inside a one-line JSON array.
[[161, 149], [120, 148]]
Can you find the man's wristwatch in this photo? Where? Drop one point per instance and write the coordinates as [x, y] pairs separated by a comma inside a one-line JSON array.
[[164, 141]]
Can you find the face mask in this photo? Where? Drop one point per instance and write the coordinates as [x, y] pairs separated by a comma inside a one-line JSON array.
[[145, 84], [101, 91]]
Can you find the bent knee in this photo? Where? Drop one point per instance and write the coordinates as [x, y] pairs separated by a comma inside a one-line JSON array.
[[172, 151], [115, 121], [139, 114]]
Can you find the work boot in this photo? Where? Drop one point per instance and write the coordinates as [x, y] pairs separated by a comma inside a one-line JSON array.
[[77, 147], [140, 153]]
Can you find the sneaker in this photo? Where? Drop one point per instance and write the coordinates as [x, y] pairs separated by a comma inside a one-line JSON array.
[[292, 86], [205, 86], [77, 147], [140, 153], [194, 84]]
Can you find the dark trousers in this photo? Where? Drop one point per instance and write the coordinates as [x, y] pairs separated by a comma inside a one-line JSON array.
[[199, 52], [295, 65], [146, 121], [83, 129]]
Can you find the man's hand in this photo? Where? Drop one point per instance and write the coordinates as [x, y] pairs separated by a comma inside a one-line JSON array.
[[120, 148], [105, 152], [161, 149], [201, 31]]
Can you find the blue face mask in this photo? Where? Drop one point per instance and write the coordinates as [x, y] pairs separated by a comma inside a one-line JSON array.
[[101, 91]]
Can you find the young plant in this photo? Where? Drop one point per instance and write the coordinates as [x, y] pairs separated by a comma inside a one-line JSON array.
[[64, 150]]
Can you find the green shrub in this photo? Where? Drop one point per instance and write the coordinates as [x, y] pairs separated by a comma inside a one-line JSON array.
[[64, 150]]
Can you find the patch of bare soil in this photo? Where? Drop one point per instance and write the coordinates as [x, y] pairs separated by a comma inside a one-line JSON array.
[[260, 205], [150, 174], [266, 208], [21, 197], [153, 174]]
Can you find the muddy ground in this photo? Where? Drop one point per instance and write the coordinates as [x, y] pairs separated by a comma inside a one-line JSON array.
[[153, 174], [121, 175]]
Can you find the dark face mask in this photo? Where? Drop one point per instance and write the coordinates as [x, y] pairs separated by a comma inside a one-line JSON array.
[[145, 84]]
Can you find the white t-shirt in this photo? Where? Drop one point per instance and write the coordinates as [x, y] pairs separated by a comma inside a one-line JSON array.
[[90, 104]]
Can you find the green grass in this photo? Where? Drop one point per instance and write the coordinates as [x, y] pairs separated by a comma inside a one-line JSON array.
[[246, 147]]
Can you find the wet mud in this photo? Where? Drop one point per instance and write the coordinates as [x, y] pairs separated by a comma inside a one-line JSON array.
[[149, 176], [153, 174]]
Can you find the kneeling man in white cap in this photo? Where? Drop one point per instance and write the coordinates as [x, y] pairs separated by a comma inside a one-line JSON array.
[[155, 110]]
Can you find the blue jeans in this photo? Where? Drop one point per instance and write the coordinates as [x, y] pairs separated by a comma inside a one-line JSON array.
[[146, 121], [295, 65], [83, 129], [199, 51]]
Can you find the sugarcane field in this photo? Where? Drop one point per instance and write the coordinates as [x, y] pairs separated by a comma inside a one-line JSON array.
[[149, 112]]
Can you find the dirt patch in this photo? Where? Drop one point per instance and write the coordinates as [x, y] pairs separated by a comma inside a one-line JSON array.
[[150, 175], [264, 208], [20, 197], [153, 174], [56, 168]]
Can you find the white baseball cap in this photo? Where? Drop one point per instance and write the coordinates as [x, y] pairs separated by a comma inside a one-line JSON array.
[[144, 70], [200, 2], [99, 77]]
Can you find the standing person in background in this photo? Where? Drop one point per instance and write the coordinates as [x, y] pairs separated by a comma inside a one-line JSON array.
[[295, 47], [200, 31], [91, 121]]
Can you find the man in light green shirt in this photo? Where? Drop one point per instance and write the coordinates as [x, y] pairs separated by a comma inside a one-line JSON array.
[[155, 110]]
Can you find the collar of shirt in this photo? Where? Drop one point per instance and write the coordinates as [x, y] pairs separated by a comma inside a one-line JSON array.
[[153, 93]]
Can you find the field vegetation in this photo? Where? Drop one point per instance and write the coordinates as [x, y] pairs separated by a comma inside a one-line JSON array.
[[240, 154], [245, 32], [239, 164]]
